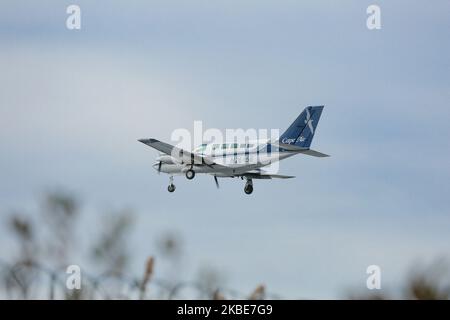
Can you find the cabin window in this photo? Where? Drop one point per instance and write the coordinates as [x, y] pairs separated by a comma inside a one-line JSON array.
[[201, 148]]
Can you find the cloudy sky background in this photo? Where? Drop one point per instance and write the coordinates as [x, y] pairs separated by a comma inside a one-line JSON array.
[[73, 104]]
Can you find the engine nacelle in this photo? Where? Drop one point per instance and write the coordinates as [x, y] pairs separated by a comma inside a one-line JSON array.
[[166, 159]]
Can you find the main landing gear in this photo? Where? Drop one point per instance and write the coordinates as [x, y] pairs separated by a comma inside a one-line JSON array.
[[171, 187], [248, 189], [190, 174]]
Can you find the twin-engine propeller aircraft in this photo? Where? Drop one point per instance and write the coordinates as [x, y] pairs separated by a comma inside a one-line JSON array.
[[243, 160]]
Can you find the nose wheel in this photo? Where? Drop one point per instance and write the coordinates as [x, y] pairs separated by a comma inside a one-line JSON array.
[[248, 189], [171, 188]]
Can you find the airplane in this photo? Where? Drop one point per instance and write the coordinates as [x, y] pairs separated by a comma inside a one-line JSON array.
[[242, 160]]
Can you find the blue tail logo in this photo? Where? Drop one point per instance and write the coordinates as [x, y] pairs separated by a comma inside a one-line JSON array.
[[308, 121], [301, 132]]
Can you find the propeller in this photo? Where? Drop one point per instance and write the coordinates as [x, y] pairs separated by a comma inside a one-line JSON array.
[[159, 166], [217, 182]]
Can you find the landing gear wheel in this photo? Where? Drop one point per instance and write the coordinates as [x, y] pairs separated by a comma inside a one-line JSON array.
[[248, 189], [171, 188], [190, 174]]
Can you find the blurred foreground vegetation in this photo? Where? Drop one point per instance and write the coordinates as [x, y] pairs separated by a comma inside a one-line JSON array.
[[44, 242]]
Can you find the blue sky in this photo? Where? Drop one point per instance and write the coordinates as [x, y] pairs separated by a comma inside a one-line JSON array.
[[73, 103]]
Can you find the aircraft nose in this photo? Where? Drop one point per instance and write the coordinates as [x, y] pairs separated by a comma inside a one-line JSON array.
[[155, 166]]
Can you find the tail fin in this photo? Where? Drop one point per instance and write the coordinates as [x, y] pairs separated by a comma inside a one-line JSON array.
[[301, 132]]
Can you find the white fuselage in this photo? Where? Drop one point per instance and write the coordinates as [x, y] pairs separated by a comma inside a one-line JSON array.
[[237, 158]]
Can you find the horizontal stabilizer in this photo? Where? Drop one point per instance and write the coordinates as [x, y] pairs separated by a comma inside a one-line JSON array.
[[258, 175], [279, 176], [306, 151], [314, 153]]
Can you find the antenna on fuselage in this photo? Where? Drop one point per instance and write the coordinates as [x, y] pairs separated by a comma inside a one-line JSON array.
[[217, 182]]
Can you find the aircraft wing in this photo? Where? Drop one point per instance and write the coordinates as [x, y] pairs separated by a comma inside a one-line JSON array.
[[180, 154]]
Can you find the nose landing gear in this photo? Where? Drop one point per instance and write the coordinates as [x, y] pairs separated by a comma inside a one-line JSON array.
[[248, 189], [171, 187]]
